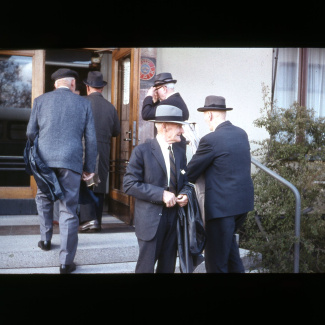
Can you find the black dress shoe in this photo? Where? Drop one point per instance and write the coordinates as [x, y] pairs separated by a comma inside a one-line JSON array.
[[67, 268], [90, 226], [44, 245]]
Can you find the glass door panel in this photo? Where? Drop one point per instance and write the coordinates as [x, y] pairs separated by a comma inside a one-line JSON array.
[[123, 109], [21, 80], [15, 109]]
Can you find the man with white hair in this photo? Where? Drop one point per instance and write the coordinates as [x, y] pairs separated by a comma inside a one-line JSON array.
[[59, 120], [163, 93], [156, 178]]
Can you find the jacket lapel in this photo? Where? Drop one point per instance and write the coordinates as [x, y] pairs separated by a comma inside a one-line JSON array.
[[156, 151]]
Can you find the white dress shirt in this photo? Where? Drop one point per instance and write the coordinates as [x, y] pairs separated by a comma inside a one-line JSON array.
[[164, 148]]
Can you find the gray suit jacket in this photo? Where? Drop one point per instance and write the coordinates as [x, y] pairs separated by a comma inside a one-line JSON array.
[[62, 118], [146, 179], [107, 125]]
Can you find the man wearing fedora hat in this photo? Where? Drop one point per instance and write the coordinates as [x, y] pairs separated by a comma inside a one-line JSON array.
[[61, 119], [107, 125], [223, 157], [163, 93], [158, 183]]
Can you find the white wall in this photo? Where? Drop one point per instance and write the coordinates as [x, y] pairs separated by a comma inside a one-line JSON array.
[[234, 73]]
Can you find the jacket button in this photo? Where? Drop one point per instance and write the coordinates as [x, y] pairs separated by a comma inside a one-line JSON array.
[[160, 214]]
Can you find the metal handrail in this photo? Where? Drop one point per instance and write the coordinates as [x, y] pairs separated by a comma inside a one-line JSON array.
[[297, 212]]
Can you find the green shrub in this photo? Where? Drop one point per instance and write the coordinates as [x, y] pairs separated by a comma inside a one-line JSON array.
[[295, 151]]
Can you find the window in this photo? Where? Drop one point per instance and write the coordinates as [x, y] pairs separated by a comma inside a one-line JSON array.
[[15, 109], [16, 81], [299, 75]]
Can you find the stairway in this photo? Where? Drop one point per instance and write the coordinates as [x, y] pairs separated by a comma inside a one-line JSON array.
[[114, 250]]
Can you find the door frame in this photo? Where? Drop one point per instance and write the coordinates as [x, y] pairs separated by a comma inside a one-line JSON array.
[[114, 194], [38, 88]]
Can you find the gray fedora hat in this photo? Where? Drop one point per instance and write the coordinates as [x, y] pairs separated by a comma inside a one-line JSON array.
[[95, 79], [163, 78], [214, 103], [169, 114]]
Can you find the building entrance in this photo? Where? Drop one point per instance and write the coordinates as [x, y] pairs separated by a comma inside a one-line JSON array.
[[26, 75]]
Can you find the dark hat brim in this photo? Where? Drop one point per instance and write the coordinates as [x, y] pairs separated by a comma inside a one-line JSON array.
[[163, 82], [104, 83], [168, 120], [214, 108]]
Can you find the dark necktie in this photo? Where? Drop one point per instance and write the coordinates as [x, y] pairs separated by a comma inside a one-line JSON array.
[[173, 178]]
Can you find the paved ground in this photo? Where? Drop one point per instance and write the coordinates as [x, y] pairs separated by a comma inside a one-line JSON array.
[[114, 250]]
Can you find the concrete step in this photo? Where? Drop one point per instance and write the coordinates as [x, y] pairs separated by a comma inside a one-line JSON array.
[[113, 250]]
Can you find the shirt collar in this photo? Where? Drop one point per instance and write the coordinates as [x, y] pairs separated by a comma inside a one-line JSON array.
[[162, 142]]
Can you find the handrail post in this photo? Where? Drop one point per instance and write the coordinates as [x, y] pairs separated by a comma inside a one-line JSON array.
[[297, 209]]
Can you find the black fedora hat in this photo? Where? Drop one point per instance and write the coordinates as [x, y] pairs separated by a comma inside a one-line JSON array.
[[163, 78], [214, 103], [95, 79], [168, 113], [64, 73]]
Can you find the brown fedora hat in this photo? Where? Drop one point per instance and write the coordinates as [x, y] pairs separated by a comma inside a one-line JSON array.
[[214, 103]]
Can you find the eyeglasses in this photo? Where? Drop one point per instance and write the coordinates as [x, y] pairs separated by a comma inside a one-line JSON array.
[[157, 88]]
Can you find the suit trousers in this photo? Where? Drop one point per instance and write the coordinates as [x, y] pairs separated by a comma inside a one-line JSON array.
[[68, 219], [91, 211], [221, 250], [162, 248]]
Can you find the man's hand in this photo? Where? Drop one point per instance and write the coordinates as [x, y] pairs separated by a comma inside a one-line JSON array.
[[169, 199], [86, 176], [182, 200], [153, 93]]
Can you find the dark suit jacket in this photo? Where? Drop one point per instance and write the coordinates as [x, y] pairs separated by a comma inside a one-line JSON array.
[[107, 125], [149, 107], [224, 157], [149, 111], [146, 179]]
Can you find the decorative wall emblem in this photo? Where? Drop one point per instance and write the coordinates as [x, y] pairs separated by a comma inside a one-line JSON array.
[[147, 70]]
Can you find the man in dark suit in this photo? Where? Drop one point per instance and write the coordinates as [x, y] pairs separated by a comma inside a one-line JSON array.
[[107, 125], [163, 93], [223, 156], [61, 119], [159, 185]]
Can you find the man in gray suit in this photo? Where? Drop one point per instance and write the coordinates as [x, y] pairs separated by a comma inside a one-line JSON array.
[[107, 125], [61, 119], [158, 183]]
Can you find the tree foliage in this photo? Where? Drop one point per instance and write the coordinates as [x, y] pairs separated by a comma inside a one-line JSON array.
[[295, 151]]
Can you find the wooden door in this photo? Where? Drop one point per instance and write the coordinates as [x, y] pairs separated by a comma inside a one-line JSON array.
[[125, 97], [21, 80]]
